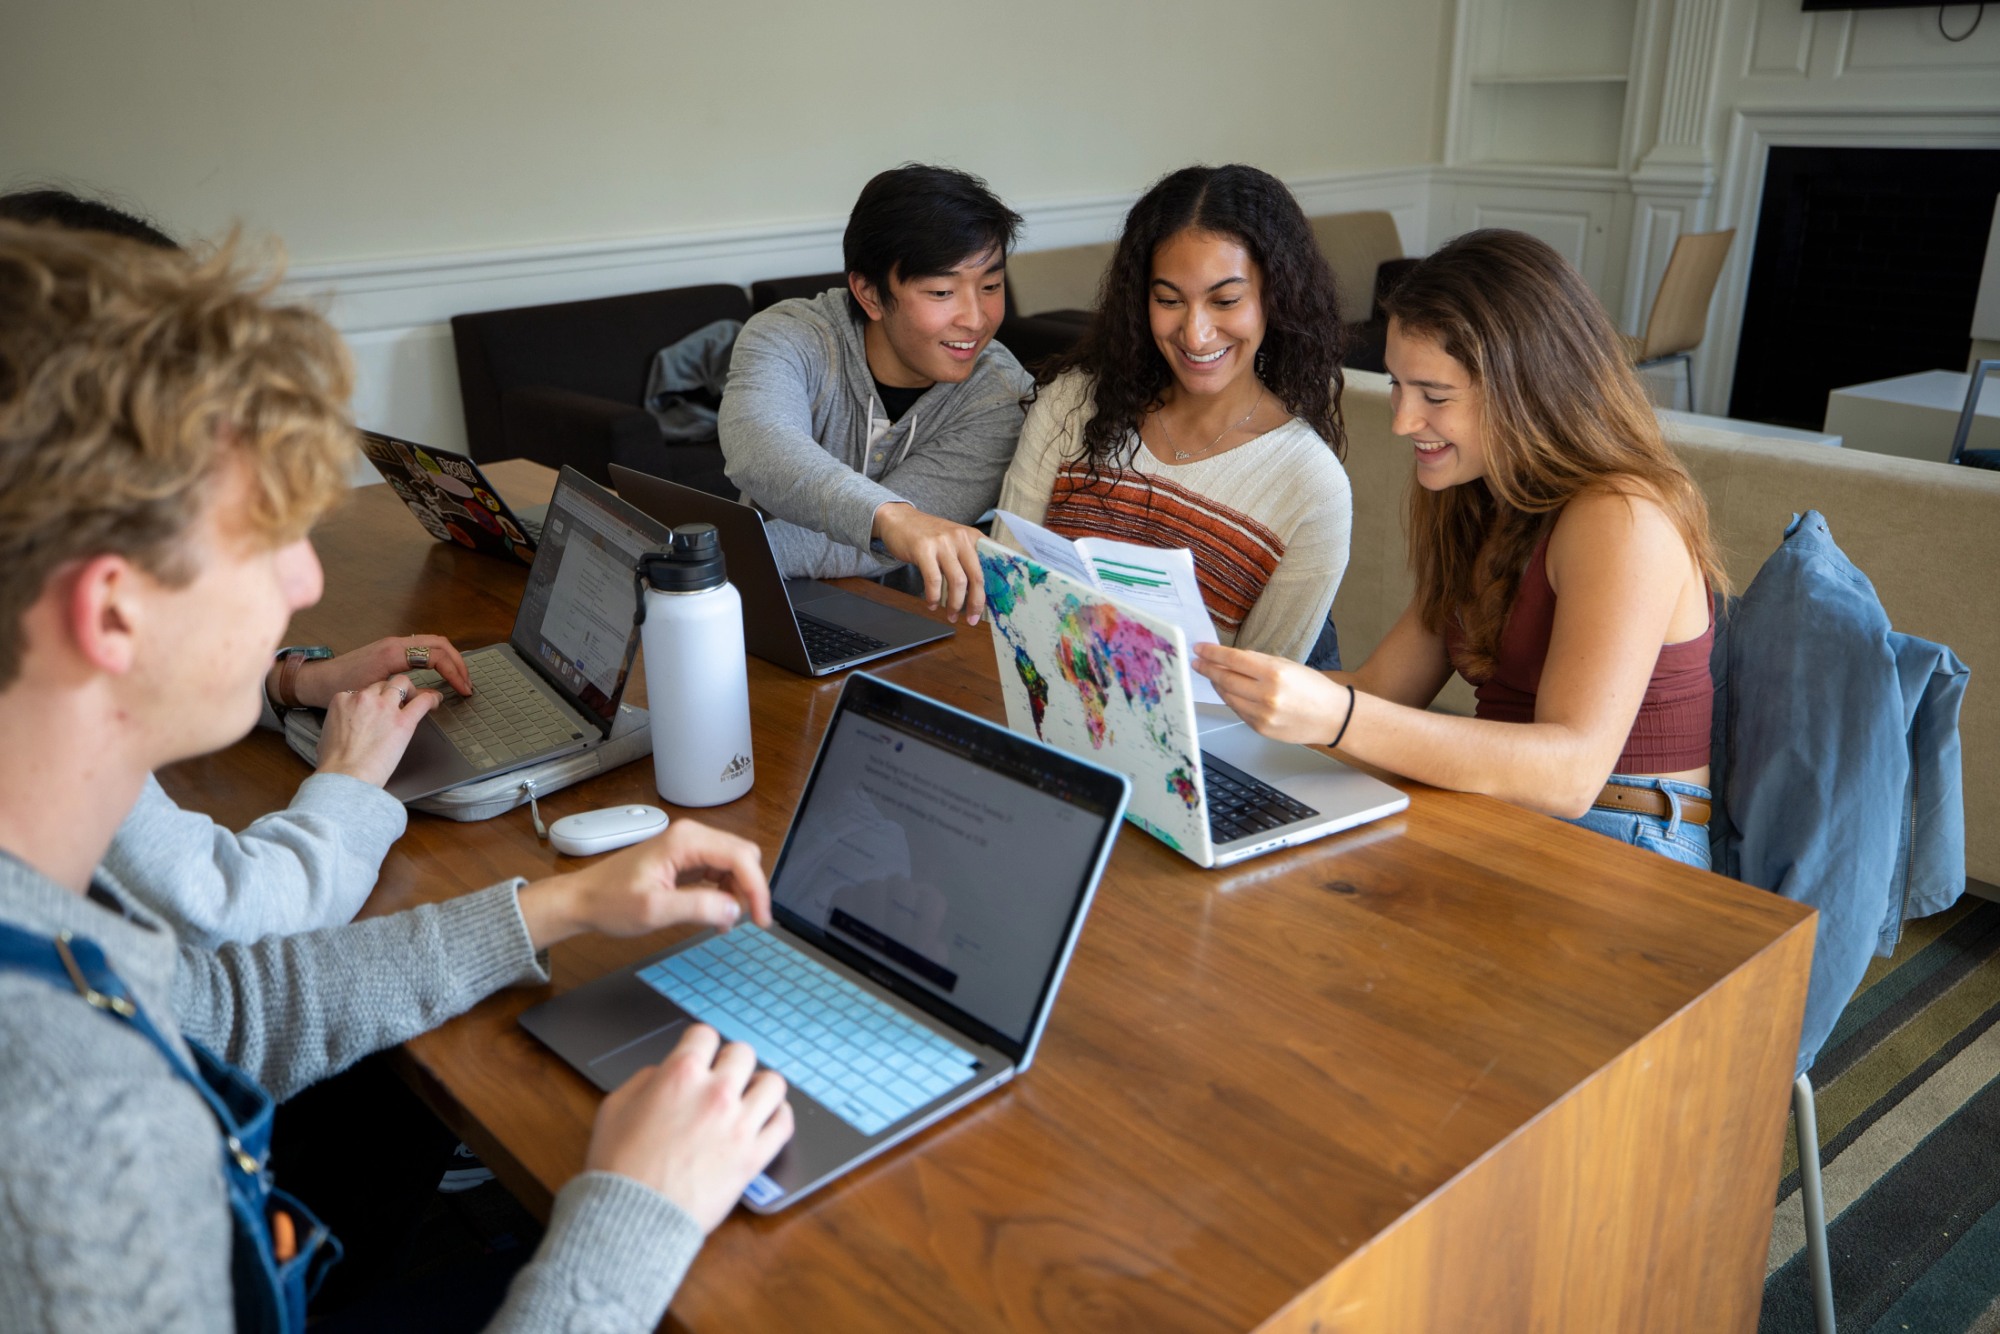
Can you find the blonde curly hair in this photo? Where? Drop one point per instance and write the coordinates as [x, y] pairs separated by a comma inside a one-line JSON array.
[[129, 377]]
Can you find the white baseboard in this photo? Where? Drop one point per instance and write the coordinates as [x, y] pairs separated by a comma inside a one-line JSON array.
[[395, 312]]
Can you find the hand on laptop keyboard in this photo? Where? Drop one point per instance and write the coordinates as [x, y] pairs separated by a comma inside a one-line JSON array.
[[367, 730], [318, 682], [696, 1127]]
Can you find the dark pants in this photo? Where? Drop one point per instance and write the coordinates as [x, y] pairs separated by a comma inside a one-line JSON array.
[[365, 1154]]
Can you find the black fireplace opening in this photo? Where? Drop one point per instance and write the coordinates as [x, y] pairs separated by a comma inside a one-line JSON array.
[[1865, 266]]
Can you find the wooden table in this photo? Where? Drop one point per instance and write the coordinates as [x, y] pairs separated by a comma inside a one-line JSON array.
[[1468, 1068]]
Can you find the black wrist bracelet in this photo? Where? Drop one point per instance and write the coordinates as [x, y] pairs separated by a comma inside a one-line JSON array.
[[1335, 743]]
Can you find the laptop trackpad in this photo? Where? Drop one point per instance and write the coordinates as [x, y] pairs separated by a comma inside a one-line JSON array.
[[803, 591], [609, 1029], [430, 763], [619, 1064]]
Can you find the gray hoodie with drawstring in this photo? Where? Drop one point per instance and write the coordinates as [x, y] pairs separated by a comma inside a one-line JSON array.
[[796, 422]]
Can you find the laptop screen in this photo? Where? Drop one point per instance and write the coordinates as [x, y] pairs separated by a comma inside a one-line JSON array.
[[946, 858], [576, 615]]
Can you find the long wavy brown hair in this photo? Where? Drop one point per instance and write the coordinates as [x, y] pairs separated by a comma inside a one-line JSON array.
[[1561, 413], [1303, 338]]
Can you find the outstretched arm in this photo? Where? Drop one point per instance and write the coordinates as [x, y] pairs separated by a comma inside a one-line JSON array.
[[766, 431], [310, 865], [295, 1009]]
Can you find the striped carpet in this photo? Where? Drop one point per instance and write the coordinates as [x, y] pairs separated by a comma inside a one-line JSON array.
[[1909, 1122]]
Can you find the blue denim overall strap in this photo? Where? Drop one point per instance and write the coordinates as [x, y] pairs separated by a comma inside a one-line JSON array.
[[271, 1294]]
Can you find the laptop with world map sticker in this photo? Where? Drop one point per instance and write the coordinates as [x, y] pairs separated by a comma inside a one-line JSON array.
[[1106, 682]]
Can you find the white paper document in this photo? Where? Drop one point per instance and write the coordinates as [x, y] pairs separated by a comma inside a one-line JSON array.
[[1158, 580]]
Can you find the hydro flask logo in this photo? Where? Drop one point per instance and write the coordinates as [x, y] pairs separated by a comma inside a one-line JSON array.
[[736, 768]]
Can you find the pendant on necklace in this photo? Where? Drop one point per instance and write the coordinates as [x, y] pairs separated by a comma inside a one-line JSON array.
[[1182, 455]]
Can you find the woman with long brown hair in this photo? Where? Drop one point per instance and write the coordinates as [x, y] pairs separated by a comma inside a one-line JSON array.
[[1563, 566]]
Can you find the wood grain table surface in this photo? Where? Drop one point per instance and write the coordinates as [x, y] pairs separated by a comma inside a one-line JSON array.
[[1465, 1068]]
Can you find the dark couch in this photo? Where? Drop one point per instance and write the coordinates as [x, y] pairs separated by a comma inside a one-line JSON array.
[[565, 383]]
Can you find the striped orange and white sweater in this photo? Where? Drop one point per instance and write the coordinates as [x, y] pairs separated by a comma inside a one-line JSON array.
[[1268, 521]]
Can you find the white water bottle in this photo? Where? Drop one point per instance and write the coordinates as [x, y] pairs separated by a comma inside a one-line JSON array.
[[697, 686]]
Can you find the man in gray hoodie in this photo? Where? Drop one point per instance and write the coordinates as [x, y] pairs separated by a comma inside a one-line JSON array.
[[874, 422], [167, 436]]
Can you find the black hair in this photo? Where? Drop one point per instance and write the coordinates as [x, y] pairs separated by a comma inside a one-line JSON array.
[[1299, 361], [915, 221], [77, 214]]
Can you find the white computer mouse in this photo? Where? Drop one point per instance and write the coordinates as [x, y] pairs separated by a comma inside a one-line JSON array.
[[590, 832]]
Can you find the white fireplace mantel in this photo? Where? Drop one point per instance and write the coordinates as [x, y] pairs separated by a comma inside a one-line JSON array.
[[1754, 132]]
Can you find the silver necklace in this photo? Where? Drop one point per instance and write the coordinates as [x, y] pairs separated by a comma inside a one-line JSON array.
[[1182, 455]]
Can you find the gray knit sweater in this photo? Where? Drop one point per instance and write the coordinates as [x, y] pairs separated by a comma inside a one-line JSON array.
[[795, 424], [310, 865], [112, 1208]]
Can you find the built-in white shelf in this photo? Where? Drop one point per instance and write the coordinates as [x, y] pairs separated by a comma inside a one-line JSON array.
[[1543, 83]]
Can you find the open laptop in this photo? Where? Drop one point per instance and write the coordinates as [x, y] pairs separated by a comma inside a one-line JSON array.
[[1112, 684], [926, 901], [553, 688], [802, 625], [452, 499]]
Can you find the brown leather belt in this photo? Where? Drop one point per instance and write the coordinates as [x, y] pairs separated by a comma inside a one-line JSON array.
[[1650, 801]]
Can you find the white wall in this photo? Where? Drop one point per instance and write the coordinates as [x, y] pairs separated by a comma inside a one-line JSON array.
[[369, 129], [429, 157]]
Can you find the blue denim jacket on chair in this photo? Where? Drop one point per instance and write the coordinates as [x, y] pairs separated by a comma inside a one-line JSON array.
[[1835, 762]]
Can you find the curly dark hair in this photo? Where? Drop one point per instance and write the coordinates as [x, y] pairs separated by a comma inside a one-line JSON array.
[[1303, 336]]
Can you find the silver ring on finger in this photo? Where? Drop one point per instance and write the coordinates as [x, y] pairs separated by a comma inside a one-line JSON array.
[[418, 657]]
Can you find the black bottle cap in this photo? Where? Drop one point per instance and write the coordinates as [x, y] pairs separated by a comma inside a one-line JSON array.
[[692, 565]]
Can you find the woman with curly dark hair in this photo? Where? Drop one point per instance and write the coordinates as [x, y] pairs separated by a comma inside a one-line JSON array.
[[1202, 409]]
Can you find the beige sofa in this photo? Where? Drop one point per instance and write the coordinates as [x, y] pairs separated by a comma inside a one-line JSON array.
[[1926, 534]]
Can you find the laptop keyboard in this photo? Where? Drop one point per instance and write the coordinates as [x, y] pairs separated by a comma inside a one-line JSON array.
[[504, 719], [863, 1060], [533, 529], [827, 642], [1240, 806]]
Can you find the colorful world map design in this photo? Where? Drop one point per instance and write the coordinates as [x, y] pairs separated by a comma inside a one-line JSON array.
[[1086, 670]]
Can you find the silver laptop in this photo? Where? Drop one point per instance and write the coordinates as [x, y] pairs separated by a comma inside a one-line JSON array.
[[553, 688], [802, 625], [926, 902], [1107, 682]]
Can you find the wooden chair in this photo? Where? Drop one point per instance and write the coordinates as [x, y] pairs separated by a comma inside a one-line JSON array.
[[1680, 308]]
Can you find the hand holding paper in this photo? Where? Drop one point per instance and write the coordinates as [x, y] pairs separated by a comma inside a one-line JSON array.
[[1157, 580]]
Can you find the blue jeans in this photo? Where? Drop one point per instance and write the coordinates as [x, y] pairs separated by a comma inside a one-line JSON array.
[[1669, 836]]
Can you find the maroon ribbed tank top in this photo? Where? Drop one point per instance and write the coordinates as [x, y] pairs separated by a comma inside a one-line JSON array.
[[1671, 732]]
